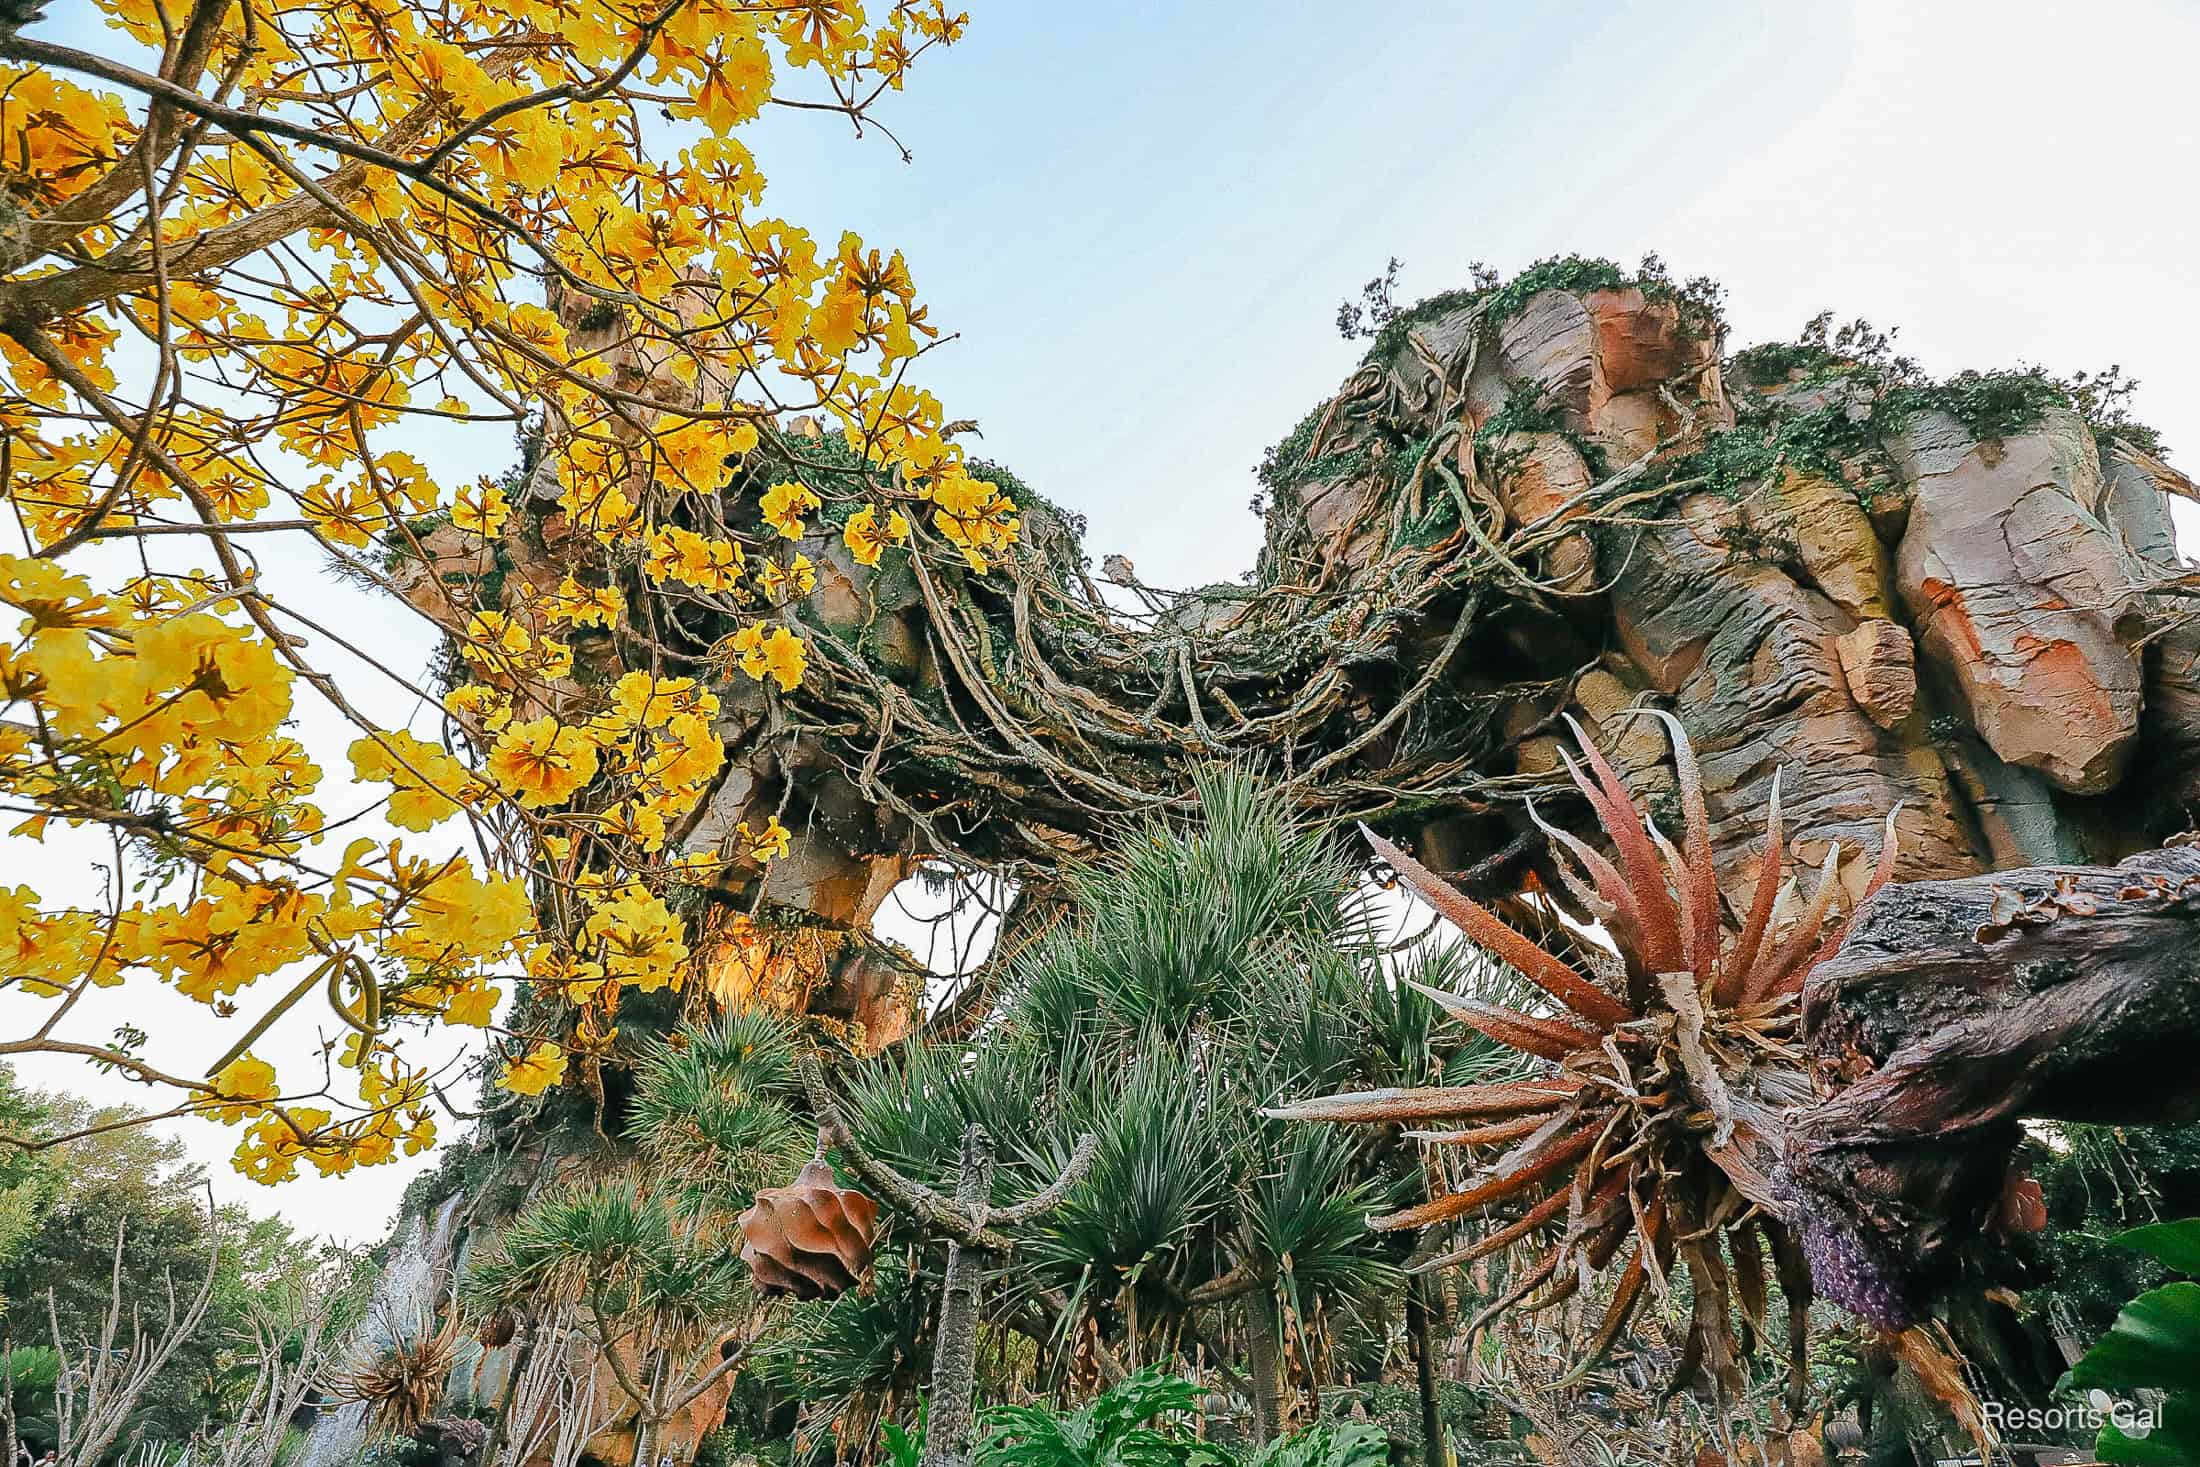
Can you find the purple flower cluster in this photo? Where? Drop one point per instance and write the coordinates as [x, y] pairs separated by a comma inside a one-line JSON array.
[[1854, 1272]]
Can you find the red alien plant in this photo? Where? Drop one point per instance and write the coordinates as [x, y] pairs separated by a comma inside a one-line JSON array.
[[1649, 1133]]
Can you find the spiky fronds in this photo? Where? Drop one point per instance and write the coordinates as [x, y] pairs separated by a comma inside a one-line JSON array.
[[1640, 1146], [712, 1106], [399, 1386]]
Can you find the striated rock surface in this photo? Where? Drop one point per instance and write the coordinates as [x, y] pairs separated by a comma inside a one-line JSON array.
[[1880, 665], [1558, 494], [2021, 596], [1894, 591]]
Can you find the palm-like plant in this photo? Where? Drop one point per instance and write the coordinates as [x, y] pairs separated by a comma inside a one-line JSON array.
[[842, 1358], [1207, 968], [647, 1261], [399, 1386], [1141, 1421], [1646, 1133], [1124, 1426]]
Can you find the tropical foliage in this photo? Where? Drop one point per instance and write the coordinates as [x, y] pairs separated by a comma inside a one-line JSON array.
[[1211, 967], [1142, 1422], [645, 1261], [2154, 1347], [1202, 972]]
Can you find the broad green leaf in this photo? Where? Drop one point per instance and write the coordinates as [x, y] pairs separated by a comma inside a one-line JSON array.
[[2175, 1244], [2154, 1342], [2175, 1442]]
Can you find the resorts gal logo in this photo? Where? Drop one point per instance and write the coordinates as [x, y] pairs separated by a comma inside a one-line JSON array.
[[2096, 1410]]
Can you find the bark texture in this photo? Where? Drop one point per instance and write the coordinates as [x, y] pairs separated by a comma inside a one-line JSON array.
[[955, 1348], [1954, 1011]]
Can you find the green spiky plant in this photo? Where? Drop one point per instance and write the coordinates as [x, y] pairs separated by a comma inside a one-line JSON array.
[[1209, 967], [1643, 1143], [648, 1259], [1134, 1424]]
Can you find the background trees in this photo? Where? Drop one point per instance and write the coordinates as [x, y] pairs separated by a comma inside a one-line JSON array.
[[127, 1188]]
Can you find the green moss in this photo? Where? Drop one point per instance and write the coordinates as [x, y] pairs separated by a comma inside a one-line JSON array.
[[1698, 297], [1560, 272], [1441, 518], [1731, 462], [1991, 405], [1404, 457], [1392, 335], [1771, 362], [1027, 498], [1822, 350], [986, 471], [1527, 410], [1286, 463], [1499, 302], [1837, 441]]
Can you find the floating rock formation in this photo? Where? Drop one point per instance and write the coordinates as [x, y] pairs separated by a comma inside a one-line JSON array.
[[1559, 495]]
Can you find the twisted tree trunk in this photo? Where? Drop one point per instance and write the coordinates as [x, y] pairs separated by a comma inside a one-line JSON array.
[[955, 1345], [1424, 1371], [1955, 1011]]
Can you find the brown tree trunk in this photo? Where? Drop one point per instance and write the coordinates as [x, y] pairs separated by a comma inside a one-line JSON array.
[[1264, 1363], [955, 1344], [1956, 1010], [1424, 1371]]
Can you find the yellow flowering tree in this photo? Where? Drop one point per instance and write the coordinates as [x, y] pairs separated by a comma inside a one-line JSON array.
[[247, 251]]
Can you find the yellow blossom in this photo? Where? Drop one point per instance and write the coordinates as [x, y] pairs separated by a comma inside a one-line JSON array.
[[481, 510], [867, 539], [535, 1071], [769, 844], [541, 762], [784, 505], [782, 582], [778, 654], [578, 605], [244, 1084]]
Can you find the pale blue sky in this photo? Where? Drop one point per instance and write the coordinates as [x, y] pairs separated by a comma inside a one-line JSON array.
[[1140, 217]]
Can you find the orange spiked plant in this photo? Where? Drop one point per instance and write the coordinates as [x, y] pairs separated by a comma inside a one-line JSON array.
[[1650, 1136]]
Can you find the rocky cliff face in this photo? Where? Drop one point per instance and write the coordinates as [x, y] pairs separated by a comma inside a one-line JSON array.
[[1557, 495], [1933, 595]]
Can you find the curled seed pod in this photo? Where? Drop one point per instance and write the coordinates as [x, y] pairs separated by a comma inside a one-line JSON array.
[[1845, 1435], [811, 1238]]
